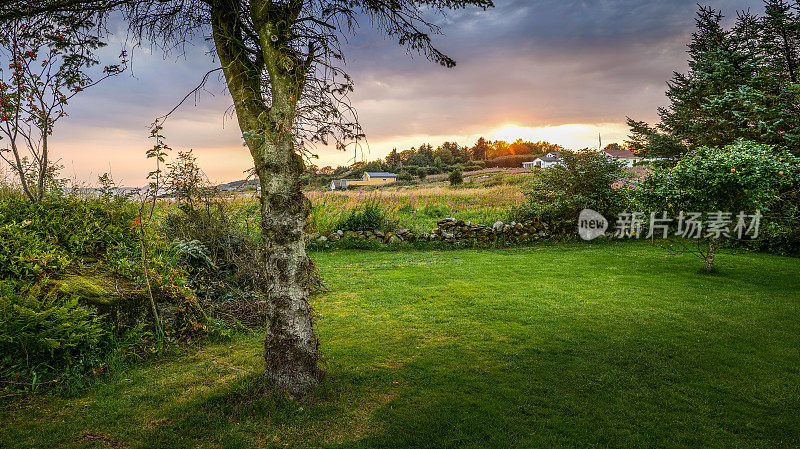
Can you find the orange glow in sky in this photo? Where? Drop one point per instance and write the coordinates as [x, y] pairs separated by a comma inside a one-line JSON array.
[[573, 136]]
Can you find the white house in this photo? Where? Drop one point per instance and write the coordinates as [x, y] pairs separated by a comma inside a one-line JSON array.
[[548, 160]]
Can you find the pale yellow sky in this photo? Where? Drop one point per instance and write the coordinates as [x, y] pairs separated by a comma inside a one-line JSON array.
[[121, 152]]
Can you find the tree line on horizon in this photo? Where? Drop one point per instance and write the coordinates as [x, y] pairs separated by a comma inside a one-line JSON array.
[[426, 160]]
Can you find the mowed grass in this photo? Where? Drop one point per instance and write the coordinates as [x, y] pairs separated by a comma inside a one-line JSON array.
[[574, 345]]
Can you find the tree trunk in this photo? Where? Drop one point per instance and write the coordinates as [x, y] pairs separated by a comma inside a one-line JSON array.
[[20, 169], [291, 347], [43, 168], [712, 250]]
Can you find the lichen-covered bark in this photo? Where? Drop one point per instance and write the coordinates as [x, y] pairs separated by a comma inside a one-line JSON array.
[[291, 347]]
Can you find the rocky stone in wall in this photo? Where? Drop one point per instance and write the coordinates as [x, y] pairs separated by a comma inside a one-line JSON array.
[[451, 230]]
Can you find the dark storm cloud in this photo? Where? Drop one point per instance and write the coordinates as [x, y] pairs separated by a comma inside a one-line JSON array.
[[533, 62]]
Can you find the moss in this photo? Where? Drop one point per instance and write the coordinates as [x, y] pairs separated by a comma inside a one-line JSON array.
[[86, 288]]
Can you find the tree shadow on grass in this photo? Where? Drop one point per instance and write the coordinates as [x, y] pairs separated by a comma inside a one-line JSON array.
[[249, 413]]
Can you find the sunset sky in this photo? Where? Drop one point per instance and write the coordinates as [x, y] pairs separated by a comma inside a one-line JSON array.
[[554, 70]]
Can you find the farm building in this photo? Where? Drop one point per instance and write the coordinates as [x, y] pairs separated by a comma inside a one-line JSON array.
[[369, 179]]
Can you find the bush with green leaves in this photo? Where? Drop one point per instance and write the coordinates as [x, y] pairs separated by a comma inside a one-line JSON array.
[[404, 176], [221, 256], [422, 172], [456, 178], [25, 255], [435, 210], [742, 177], [76, 225], [195, 252], [42, 238], [370, 217], [585, 180], [41, 243]]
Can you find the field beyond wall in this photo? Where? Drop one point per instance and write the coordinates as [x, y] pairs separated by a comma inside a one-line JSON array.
[[484, 198]]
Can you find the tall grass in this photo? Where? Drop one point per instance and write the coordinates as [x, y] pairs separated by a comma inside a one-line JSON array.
[[416, 209]]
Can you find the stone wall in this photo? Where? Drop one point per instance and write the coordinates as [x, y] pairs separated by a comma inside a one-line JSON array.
[[451, 230]]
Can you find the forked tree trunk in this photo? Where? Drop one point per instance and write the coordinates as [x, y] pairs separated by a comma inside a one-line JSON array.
[[712, 251], [291, 347]]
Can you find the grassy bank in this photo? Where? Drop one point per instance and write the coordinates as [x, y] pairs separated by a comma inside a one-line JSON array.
[[578, 345]]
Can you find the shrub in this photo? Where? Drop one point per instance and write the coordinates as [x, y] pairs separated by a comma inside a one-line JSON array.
[[404, 176], [25, 255], [435, 210], [371, 217], [560, 192], [778, 235], [456, 178], [45, 332], [422, 172], [221, 257], [195, 252], [78, 226], [42, 239], [209, 224]]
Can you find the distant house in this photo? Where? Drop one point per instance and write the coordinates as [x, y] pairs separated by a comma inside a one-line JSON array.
[[370, 178], [341, 184], [546, 161], [627, 157]]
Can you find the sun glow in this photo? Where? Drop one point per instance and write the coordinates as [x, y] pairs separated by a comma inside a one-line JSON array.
[[569, 136], [511, 133]]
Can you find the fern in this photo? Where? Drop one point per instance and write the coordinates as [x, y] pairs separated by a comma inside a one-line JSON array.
[[195, 253]]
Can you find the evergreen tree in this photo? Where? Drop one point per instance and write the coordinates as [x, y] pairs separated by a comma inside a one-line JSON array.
[[445, 154], [741, 84], [393, 159], [425, 155]]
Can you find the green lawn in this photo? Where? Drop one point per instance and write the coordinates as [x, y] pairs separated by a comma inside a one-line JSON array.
[[554, 345]]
